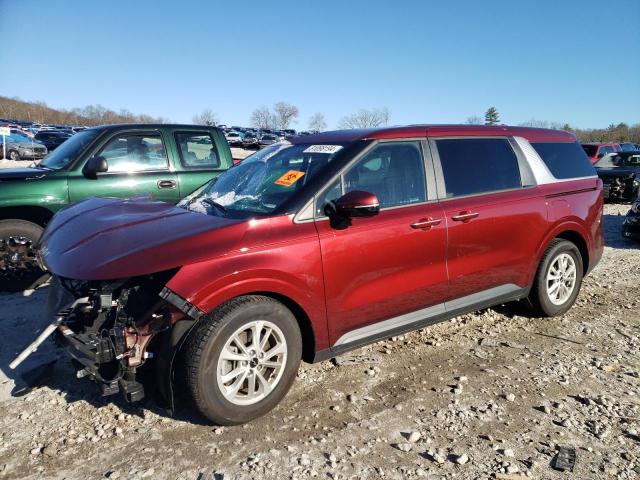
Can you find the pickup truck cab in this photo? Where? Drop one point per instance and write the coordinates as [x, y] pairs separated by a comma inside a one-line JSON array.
[[166, 161]]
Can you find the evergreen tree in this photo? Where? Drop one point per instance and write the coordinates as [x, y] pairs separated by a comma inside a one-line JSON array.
[[491, 116]]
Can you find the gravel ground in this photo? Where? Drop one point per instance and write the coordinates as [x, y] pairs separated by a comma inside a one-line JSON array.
[[488, 395]]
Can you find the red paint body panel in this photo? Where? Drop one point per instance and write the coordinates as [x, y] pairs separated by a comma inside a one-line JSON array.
[[275, 256], [107, 239], [381, 267], [495, 247]]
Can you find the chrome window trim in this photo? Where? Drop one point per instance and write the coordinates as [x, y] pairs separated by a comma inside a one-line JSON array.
[[428, 171]]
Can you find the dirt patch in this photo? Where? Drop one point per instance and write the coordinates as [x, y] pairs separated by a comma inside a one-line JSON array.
[[495, 392]]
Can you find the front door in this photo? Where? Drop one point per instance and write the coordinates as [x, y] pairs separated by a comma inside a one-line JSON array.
[[379, 269], [137, 164]]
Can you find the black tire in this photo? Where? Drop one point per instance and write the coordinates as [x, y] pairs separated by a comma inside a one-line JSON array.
[[204, 346], [538, 297], [15, 280], [14, 155]]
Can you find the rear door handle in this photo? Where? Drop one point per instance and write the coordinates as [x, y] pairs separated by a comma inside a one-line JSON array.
[[464, 216], [166, 184], [426, 223]]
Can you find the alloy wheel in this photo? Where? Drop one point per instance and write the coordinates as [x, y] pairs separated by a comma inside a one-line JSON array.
[[561, 279], [252, 362]]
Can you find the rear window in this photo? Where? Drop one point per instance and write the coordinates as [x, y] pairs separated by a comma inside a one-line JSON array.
[[475, 166], [565, 160]]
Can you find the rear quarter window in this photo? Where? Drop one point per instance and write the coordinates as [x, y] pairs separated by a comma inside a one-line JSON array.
[[565, 160]]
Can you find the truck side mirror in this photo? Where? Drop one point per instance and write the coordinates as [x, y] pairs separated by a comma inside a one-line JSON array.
[[94, 166]]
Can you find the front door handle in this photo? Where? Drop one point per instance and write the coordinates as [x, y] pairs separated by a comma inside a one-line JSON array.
[[426, 223], [464, 216], [166, 184]]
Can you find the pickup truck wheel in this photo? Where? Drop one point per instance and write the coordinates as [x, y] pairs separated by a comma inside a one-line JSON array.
[[558, 279], [241, 359], [18, 266]]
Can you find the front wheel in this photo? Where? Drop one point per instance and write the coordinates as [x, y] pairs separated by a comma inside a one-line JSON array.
[[558, 279], [13, 155], [241, 360]]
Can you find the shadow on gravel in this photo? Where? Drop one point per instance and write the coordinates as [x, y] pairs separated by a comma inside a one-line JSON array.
[[613, 233]]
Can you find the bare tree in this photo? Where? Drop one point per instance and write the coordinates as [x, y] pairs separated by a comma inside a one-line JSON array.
[[285, 114], [474, 120], [317, 122], [206, 117], [366, 118], [262, 117]]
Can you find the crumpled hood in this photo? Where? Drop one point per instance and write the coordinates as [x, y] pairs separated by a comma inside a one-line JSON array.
[[105, 238], [21, 173]]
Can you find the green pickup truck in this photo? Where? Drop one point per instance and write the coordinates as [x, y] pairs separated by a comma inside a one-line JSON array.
[[167, 161]]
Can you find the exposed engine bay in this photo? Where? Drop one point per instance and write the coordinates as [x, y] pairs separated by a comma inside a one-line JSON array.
[[110, 328]]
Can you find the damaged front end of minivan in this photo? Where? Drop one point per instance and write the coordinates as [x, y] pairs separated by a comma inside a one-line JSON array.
[[111, 329]]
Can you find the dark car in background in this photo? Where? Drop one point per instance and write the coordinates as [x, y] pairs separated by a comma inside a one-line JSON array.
[[620, 174], [52, 139]]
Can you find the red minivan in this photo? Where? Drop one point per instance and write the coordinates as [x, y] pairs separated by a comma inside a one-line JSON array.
[[316, 246]]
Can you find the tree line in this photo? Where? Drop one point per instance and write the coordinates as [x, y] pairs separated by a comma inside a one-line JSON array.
[[283, 115], [39, 112]]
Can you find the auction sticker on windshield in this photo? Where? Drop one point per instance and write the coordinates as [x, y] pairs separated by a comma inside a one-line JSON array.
[[289, 178], [322, 149]]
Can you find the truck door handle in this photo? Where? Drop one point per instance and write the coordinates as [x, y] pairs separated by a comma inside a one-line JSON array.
[[426, 223], [166, 184], [464, 216]]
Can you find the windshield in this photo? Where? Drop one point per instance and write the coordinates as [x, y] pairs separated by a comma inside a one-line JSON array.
[[68, 151], [264, 181]]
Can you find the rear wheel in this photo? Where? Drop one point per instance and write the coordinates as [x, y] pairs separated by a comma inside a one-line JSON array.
[[18, 266], [242, 359], [558, 279]]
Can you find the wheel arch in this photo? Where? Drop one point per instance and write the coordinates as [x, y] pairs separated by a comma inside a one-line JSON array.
[[30, 213], [578, 240]]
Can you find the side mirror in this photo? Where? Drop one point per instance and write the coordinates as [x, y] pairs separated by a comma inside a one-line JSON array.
[[357, 204], [94, 166]]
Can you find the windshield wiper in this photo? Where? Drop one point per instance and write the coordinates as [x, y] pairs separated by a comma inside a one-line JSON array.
[[213, 203]]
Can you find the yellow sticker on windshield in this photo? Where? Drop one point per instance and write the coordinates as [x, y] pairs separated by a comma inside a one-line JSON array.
[[289, 178]]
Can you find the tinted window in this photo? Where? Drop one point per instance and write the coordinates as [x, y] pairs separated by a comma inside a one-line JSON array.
[[565, 160], [133, 153], [197, 150], [590, 150], [472, 166], [393, 171]]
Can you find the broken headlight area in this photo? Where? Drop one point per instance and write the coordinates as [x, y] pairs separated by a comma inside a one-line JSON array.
[[110, 333]]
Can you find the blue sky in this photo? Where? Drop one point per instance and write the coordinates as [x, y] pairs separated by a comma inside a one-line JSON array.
[[427, 61]]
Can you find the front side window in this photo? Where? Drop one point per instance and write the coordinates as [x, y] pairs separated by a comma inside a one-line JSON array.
[[134, 153], [264, 181], [474, 166], [197, 150], [393, 171]]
